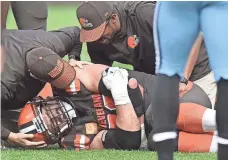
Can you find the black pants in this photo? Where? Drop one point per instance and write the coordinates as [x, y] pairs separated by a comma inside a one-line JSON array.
[[28, 15]]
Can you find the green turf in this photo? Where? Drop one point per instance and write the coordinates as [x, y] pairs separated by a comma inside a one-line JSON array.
[[95, 155], [63, 16]]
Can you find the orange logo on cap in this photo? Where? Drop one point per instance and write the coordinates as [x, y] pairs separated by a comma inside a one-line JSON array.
[[132, 41], [82, 21], [85, 23]]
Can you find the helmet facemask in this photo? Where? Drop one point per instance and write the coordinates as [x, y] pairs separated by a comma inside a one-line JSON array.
[[54, 118]]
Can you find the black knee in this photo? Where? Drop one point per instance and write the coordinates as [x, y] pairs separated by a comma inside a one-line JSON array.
[[121, 139]]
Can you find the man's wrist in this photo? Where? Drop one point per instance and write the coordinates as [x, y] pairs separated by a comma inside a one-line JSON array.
[[5, 133], [12, 136], [184, 80]]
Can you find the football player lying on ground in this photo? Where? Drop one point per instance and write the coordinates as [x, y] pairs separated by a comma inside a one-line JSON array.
[[80, 119]]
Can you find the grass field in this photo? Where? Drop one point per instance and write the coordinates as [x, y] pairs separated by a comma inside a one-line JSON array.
[[95, 155], [63, 16]]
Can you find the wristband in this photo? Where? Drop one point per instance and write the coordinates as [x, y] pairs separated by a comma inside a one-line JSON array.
[[184, 80]]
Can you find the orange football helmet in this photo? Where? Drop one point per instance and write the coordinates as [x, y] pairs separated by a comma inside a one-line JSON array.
[[48, 119]]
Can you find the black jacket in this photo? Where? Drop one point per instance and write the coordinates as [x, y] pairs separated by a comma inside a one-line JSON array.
[[17, 86], [136, 19]]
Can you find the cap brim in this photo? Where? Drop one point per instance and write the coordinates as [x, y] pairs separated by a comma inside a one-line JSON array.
[[92, 35], [66, 78]]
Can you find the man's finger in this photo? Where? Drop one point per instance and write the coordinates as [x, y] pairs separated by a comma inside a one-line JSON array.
[[74, 64], [80, 65], [29, 143], [26, 136], [86, 63], [42, 146]]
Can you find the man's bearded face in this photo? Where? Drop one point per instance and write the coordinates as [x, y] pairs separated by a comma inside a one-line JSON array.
[[58, 117]]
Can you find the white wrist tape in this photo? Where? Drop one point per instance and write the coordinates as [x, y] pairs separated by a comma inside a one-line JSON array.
[[116, 80], [120, 95]]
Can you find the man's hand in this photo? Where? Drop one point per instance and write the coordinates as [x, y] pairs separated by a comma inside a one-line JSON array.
[[23, 140], [182, 87], [79, 64], [116, 80], [109, 74], [183, 84]]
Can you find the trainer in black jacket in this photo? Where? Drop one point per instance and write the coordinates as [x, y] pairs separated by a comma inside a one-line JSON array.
[[18, 86]]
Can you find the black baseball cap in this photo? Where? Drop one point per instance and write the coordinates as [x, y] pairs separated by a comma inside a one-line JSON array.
[[44, 64], [93, 16]]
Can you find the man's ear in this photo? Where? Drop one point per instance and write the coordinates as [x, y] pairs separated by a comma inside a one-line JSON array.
[[113, 18]]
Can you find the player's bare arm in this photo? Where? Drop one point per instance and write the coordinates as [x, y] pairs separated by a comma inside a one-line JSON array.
[[194, 53], [90, 76], [127, 122]]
